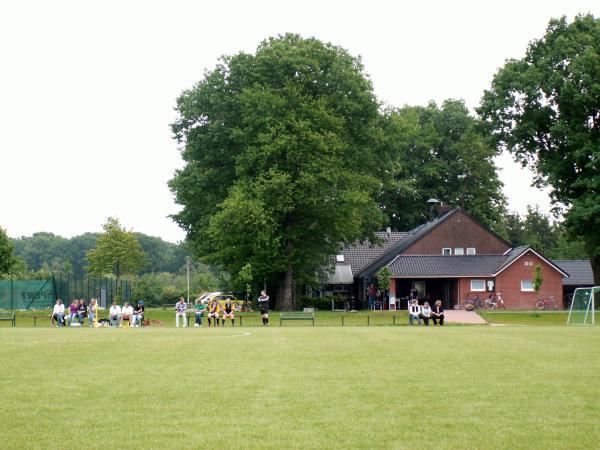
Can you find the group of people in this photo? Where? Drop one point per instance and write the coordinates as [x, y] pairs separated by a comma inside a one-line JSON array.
[[133, 315], [425, 313], [78, 311], [217, 313]]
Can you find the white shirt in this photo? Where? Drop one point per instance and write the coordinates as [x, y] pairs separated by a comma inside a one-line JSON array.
[[59, 309], [127, 310], [426, 311], [415, 310], [115, 310]]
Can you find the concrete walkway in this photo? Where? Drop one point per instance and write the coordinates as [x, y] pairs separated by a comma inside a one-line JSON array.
[[462, 316]]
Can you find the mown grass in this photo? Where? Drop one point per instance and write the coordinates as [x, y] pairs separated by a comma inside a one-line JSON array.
[[300, 387], [531, 318]]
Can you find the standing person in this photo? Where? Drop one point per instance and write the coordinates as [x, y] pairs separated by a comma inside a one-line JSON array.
[[426, 313], [372, 293], [73, 311], [127, 313], [138, 315], [82, 311], [437, 314], [114, 315], [93, 311], [228, 309], [58, 314], [263, 304], [213, 313], [199, 308], [180, 311], [414, 312]]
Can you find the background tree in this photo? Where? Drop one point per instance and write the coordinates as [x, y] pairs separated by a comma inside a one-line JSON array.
[[384, 276], [437, 152], [117, 253], [7, 259], [280, 155], [246, 278], [545, 110], [537, 278]]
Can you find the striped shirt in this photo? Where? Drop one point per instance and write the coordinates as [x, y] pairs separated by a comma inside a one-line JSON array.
[[181, 307]]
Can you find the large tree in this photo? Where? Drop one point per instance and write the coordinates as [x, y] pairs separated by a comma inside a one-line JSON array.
[[7, 259], [279, 149], [437, 152], [545, 110], [117, 252]]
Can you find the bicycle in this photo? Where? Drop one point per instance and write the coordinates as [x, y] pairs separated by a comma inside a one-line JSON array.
[[494, 301], [475, 301], [545, 303]]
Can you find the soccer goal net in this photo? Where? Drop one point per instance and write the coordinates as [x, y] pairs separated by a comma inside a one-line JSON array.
[[583, 306]]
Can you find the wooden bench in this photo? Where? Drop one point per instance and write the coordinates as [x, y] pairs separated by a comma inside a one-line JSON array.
[[10, 316], [306, 314]]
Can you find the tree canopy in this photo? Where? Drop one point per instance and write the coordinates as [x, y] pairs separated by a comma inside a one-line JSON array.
[[117, 252], [545, 110], [7, 259], [437, 152], [280, 154]]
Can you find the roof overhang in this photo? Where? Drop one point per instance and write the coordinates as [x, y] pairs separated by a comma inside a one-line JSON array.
[[547, 261]]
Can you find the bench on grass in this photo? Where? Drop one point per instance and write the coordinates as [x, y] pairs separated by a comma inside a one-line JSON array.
[[10, 316], [305, 314]]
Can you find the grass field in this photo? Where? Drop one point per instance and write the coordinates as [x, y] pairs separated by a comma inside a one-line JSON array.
[[300, 387]]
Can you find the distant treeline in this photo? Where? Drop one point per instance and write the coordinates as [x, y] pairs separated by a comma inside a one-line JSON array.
[[48, 251]]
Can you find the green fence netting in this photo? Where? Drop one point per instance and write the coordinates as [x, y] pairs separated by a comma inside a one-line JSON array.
[[39, 294]]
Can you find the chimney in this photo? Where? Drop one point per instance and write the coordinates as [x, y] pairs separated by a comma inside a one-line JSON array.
[[432, 202]]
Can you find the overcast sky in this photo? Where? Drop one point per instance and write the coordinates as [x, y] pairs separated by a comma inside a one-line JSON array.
[[87, 89]]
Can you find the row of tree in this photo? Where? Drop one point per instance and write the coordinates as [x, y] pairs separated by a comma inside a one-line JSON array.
[[290, 156]]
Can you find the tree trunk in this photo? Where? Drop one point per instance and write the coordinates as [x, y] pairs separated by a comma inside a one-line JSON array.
[[595, 262], [285, 297]]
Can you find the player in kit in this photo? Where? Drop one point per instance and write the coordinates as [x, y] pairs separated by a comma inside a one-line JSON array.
[[213, 313], [228, 309], [263, 304]]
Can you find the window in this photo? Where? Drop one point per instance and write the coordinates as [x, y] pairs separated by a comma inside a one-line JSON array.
[[339, 258], [446, 251], [471, 251], [527, 285], [459, 251], [477, 285]]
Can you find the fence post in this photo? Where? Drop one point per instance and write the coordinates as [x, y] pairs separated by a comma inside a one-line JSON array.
[[342, 320], [241, 317], [11, 295], [368, 321], [394, 317]]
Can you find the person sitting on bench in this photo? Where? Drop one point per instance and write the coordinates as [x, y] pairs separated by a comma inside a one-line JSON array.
[[58, 314], [414, 312], [437, 313], [82, 311], [114, 314], [127, 313], [228, 309], [213, 313], [180, 311], [426, 313], [138, 315]]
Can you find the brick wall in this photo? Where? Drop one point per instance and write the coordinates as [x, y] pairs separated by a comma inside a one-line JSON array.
[[458, 231], [509, 282]]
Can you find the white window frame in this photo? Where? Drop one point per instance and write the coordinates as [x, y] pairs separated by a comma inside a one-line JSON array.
[[527, 290], [444, 251], [462, 251], [471, 251], [473, 289]]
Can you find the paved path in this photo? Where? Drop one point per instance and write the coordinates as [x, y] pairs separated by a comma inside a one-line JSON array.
[[462, 316]]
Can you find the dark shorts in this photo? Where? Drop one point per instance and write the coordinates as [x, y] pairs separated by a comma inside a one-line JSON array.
[[264, 310]]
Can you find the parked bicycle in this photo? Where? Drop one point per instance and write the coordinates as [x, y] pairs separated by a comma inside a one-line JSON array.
[[494, 301], [545, 303], [477, 302]]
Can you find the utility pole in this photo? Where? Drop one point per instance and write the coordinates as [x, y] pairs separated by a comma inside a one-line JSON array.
[[188, 261]]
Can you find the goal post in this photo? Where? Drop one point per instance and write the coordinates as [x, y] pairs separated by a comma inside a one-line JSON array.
[[583, 306]]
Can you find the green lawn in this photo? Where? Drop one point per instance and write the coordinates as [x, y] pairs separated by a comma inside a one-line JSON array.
[[300, 387], [536, 318]]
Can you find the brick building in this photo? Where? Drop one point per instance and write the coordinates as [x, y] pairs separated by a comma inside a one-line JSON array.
[[448, 258]]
